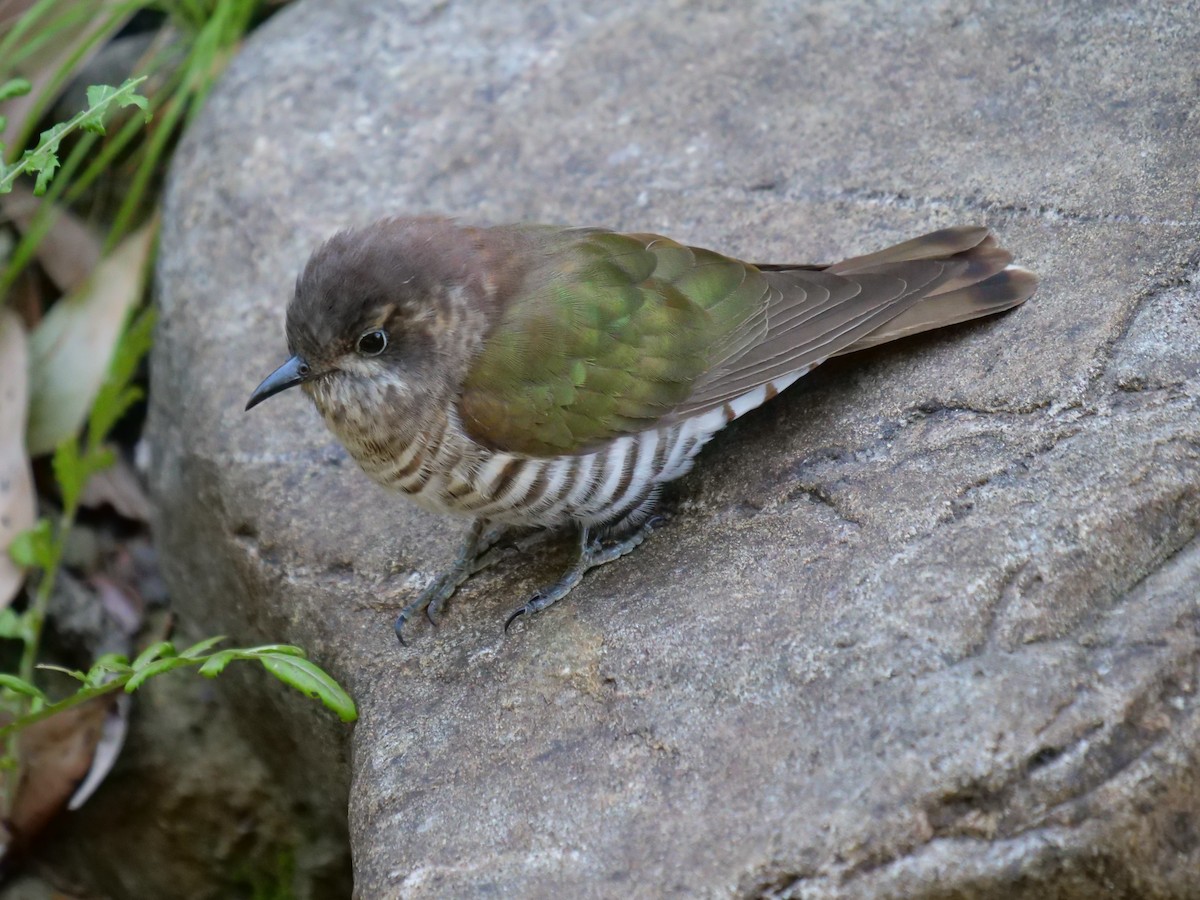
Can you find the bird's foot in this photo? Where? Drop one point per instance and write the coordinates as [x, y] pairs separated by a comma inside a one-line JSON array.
[[478, 551], [592, 553], [433, 596]]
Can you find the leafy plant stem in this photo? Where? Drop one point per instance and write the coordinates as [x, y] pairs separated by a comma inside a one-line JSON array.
[[45, 711], [36, 615], [27, 163], [43, 219], [285, 662], [53, 88]]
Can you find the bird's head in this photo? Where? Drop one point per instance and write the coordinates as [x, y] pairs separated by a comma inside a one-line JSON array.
[[386, 314]]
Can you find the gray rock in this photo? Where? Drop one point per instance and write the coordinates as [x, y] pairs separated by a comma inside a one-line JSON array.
[[925, 626]]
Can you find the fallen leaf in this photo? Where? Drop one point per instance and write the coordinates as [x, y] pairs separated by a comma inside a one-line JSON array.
[[68, 252], [108, 748], [17, 500], [56, 754], [71, 347], [118, 487], [26, 297]]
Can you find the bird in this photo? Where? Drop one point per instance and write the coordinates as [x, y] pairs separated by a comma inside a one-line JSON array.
[[537, 376]]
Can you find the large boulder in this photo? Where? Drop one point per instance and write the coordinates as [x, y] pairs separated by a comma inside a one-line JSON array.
[[924, 626]]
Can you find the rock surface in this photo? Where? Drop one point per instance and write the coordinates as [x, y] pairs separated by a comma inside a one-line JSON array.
[[925, 626]]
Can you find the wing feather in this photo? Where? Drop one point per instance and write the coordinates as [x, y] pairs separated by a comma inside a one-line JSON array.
[[610, 334]]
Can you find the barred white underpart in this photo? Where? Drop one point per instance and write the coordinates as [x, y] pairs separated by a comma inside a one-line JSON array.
[[585, 480], [613, 462], [405, 464], [442, 469], [643, 467], [490, 472], [557, 510], [555, 484]]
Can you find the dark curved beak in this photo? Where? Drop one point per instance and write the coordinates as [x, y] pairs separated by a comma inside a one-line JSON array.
[[290, 374]]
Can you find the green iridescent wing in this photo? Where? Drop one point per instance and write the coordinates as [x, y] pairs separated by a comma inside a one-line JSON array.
[[609, 334]]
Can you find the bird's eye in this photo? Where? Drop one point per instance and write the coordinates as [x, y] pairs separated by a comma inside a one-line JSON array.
[[373, 343]]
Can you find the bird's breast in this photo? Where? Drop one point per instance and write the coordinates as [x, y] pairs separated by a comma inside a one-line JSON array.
[[440, 467]]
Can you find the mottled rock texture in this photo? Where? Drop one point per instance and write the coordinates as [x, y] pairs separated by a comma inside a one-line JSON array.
[[924, 626]]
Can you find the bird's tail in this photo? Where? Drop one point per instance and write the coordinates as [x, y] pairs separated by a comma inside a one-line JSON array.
[[989, 283]]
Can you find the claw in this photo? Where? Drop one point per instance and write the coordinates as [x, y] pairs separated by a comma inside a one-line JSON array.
[[400, 620], [520, 611]]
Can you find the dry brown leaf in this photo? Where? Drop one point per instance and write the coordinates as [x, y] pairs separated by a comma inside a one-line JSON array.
[[27, 297], [113, 732], [17, 499], [71, 348], [117, 486], [56, 754], [68, 252]]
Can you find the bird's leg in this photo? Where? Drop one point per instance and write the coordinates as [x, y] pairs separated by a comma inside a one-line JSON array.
[[477, 552], [592, 553]]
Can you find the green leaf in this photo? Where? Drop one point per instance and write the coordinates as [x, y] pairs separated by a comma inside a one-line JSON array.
[[14, 87], [216, 663], [109, 408], [73, 469], [150, 654], [155, 668], [69, 471], [43, 159], [309, 678], [99, 458], [197, 650], [108, 664], [21, 686], [275, 649], [116, 395], [102, 96], [35, 547], [12, 623], [73, 673]]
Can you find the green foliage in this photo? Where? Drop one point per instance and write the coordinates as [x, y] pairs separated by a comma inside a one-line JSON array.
[[113, 672], [42, 159], [35, 548], [41, 548], [203, 34], [272, 884], [198, 37], [15, 87], [117, 394]]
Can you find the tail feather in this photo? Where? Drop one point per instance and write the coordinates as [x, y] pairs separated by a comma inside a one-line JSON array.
[[944, 244], [1010, 287], [981, 263]]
